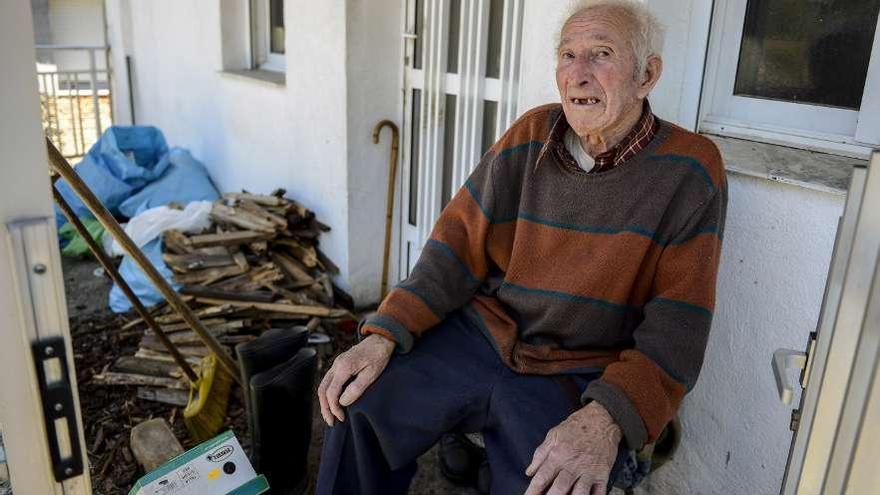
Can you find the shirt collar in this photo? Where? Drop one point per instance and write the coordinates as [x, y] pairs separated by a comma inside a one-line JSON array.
[[637, 138]]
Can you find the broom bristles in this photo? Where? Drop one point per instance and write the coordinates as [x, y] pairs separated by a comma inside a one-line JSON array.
[[205, 413]]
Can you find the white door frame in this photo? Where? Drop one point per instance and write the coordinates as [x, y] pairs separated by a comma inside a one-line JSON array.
[[469, 86], [32, 304]]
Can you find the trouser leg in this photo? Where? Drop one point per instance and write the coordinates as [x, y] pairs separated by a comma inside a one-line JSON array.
[[441, 385], [523, 408]]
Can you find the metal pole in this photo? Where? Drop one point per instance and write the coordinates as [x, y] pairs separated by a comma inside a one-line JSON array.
[[60, 165], [111, 270], [93, 74]]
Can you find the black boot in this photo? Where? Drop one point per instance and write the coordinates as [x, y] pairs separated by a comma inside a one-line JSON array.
[[282, 408], [270, 349], [460, 459]]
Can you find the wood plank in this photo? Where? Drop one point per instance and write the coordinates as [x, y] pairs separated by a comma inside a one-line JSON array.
[[196, 261], [256, 198], [113, 378], [202, 291], [241, 218], [171, 396], [208, 275], [228, 238], [292, 268], [279, 308], [149, 367], [164, 356]]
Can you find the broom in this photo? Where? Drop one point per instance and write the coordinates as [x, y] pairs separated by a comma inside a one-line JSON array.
[[205, 412]]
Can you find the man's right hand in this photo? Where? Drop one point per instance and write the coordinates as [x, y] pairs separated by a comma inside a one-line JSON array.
[[365, 362]]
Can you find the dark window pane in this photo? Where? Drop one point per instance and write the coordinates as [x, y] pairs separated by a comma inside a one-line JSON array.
[[493, 50], [454, 32], [414, 157], [448, 148], [417, 46], [490, 115], [276, 25], [813, 51]]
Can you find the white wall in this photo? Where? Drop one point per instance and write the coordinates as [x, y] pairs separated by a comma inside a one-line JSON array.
[[777, 248], [310, 135], [375, 64]]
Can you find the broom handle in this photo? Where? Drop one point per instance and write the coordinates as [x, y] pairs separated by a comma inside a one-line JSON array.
[[59, 163], [111, 270]]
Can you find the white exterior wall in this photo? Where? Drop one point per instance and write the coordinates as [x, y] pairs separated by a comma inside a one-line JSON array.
[[777, 248], [310, 136]]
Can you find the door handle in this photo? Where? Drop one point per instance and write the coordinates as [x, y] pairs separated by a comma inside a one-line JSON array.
[[784, 360]]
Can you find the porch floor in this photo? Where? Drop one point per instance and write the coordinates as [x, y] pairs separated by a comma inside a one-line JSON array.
[[110, 413]]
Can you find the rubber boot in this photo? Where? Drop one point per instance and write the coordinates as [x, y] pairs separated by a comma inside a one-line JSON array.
[[282, 404], [273, 347]]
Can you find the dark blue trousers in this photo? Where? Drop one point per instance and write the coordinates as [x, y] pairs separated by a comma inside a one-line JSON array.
[[452, 380]]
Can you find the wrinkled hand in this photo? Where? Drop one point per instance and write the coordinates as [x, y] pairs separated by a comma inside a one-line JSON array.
[[577, 455], [365, 361]]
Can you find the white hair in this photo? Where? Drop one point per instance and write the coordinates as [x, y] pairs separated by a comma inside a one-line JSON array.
[[647, 33]]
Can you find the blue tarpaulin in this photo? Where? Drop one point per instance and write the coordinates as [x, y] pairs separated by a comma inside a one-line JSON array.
[[131, 169]]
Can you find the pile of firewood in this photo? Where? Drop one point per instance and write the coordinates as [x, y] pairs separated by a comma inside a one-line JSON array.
[[259, 267]]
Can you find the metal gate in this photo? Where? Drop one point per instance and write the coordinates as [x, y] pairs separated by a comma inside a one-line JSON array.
[[461, 80]]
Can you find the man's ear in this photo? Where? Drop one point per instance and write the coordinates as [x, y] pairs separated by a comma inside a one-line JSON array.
[[649, 78]]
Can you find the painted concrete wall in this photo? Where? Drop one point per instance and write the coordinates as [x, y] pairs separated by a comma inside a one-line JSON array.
[[374, 74], [776, 253], [310, 135]]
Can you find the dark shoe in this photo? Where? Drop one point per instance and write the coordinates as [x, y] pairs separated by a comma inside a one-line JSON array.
[[270, 349], [459, 459], [282, 409]]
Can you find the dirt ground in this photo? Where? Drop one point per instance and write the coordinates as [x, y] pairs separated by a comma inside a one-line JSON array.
[[109, 413]]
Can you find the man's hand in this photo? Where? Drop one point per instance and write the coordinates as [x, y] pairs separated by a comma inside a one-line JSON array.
[[577, 455], [365, 361]]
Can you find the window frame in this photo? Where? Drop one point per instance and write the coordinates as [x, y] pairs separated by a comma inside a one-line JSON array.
[[803, 125], [261, 39]]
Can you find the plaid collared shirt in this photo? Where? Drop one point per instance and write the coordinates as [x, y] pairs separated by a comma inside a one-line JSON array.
[[639, 137]]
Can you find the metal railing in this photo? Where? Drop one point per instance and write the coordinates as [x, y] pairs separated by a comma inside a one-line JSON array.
[[75, 101]]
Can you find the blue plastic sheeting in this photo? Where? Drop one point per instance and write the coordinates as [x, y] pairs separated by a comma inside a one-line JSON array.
[[124, 160], [139, 283], [186, 180], [130, 169]]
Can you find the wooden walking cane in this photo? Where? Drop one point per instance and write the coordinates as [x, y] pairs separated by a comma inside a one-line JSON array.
[[389, 210], [111, 270], [60, 165]]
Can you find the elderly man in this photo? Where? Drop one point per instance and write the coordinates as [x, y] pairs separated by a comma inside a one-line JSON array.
[[563, 302]]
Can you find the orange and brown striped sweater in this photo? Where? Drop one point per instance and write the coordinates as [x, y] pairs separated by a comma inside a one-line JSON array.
[[566, 271]]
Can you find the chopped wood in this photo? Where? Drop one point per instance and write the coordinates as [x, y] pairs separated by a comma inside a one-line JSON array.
[[306, 254], [152, 343], [196, 261], [249, 206], [164, 356], [174, 397], [292, 268], [208, 275], [256, 198], [149, 367], [182, 326], [328, 265], [227, 238], [278, 308], [114, 378], [202, 291], [241, 218], [259, 247]]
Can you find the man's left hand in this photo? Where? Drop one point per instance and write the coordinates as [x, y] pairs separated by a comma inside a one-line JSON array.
[[577, 455]]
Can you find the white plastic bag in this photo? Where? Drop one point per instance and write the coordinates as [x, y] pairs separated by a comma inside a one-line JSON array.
[[149, 224]]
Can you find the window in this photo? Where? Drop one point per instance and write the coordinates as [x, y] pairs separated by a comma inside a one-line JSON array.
[[267, 33], [796, 72]]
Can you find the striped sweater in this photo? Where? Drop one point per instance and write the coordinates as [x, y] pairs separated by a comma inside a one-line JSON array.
[[567, 272]]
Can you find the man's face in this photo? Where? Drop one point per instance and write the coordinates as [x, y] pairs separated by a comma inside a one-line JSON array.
[[594, 72]]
